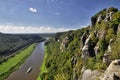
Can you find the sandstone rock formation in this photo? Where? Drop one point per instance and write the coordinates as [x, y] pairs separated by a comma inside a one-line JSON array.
[[106, 58], [85, 49], [99, 19], [91, 75], [113, 71], [64, 43]]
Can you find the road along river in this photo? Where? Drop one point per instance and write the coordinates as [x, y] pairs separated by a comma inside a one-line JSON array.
[[34, 61]]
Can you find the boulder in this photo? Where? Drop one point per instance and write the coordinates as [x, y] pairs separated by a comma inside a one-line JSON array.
[[91, 75], [113, 71]]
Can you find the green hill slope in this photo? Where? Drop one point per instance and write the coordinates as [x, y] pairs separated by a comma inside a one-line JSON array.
[[10, 43], [94, 47]]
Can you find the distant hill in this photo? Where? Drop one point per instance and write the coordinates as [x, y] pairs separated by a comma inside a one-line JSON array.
[[10, 43]]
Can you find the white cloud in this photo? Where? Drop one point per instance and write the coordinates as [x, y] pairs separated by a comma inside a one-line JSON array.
[[52, 0], [57, 13], [34, 10], [30, 29]]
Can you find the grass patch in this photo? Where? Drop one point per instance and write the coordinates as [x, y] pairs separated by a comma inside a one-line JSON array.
[[13, 63], [43, 68]]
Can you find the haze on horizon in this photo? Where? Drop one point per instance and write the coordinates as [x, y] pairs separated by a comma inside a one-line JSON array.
[[49, 16]]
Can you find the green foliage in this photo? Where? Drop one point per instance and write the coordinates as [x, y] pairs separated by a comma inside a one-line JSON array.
[[103, 45], [93, 38], [112, 9], [89, 63], [100, 66], [116, 17], [94, 18], [110, 34], [116, 48], [10, 43]]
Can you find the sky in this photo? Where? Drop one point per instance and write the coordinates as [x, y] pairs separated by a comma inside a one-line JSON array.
[[48, 16]]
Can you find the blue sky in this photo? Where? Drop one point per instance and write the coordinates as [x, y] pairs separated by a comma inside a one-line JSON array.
[[20, 16]]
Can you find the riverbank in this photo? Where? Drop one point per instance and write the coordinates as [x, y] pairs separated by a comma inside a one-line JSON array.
[[13, 63], [43, 68]]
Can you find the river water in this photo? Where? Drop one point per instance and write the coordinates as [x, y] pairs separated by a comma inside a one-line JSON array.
[[33, 61]]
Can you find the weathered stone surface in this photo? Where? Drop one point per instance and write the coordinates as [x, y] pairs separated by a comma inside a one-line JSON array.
[[74, 60], [108, 15], [113, 71], [75, 77], [119, 28], [85, 49], [93, 20], [106, 58], [96, 50], [99, 18], [83, 38], [64, 43], [91, 75]]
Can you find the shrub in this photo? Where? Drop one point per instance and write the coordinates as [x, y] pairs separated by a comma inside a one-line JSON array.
[[116, 17]]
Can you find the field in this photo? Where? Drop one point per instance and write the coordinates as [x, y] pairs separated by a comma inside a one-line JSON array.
[[14, 62]]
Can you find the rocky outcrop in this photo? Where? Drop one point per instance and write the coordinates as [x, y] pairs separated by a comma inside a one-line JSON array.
[[113, 71], [106, 58], [73, 60], [83, 39], [64, 43], [96, 49], [75, 77], [119, 28], [100, 18], [93, 20], [109, 14], [91, 75], [85, 49]]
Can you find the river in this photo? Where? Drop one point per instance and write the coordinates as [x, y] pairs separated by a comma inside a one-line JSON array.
[[34, 61]]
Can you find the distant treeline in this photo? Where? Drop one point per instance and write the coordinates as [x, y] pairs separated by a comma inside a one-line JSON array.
[[10, 43]]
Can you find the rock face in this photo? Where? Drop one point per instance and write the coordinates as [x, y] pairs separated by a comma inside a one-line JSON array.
[[73, 60], [91, 75], [113, 71], [85, 49], [100, 17], [106, 58], [96, 49], [119, 28], [109, 15], [83, 38], [64, 43]]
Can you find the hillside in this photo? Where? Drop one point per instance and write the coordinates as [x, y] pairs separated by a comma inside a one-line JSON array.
[[90, 53], [10, 43]]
